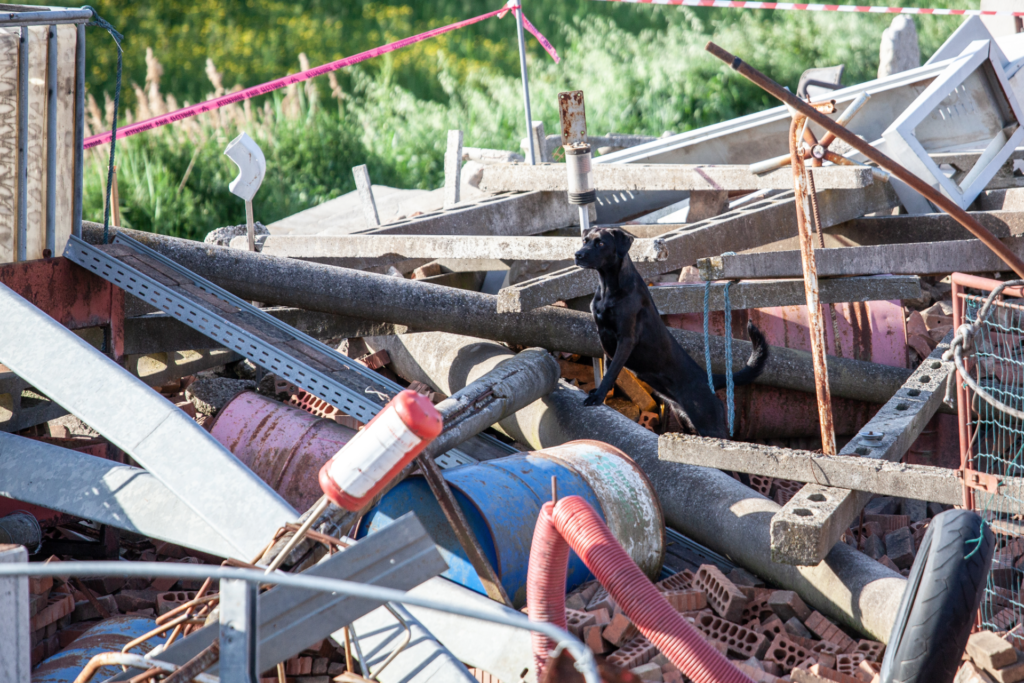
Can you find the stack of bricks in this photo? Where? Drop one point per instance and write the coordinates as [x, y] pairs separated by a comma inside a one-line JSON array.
[[318, 664], [49, 612], [630, 395], [771, 635], [991, 658]]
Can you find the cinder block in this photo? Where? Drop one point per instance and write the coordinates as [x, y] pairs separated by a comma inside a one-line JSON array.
[[637, 651], [740, 641], [165, 602], [761, 484], [889, 522], [722, 594], [686, 600], [786, 653], [575, 601], [884, 559], [873, 547], [85, 610], [601, 600], [899, 546], [755, 674], [601, 617], [989, 651], [914, 510], [787, 604], [772, 626], [135, 600], [619, 630], [833, 675]]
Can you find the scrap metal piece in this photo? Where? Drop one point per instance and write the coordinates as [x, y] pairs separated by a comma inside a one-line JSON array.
[[238, 634], [572, 115], [806, 528], [142, 423], [291, 619], [351, 387], [103, 491]]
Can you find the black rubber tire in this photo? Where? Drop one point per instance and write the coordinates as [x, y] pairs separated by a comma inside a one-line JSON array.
[[939, 605]]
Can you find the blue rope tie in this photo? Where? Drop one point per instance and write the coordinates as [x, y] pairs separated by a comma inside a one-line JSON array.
[[729, 384], [97, 20], [707, 334], [976, 541]]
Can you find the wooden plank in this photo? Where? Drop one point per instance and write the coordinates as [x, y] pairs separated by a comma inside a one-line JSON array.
[[924, 258], [648, 177], [879, 477], [67, 40], [8, 143], [807, 527]]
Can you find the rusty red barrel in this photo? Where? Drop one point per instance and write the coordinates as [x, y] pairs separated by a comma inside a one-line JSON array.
[[284, 446]]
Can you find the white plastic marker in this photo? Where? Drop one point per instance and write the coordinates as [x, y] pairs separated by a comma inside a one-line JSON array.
[[252, 166], [814, 7]]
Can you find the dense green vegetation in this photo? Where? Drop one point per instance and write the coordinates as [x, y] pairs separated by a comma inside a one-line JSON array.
[[643, 69]]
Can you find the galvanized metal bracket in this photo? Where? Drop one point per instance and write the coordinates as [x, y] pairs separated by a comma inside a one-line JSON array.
[[237, 324]]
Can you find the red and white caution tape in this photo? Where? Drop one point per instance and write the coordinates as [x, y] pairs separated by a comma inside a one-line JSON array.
[[868, 9], [248, 93]]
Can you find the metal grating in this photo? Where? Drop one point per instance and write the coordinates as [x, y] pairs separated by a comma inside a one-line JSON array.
[[352, 388]]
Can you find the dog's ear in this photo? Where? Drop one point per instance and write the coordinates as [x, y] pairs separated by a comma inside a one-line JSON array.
[[623, 241]]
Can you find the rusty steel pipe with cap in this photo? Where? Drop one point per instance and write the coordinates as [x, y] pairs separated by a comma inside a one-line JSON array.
[[865, 148]]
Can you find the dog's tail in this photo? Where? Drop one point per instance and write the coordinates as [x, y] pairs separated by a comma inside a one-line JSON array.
[[755, 364]]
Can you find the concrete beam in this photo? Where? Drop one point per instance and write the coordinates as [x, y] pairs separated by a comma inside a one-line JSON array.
[[367, 251], [312, 286], [755, 224], [159, 332], [930, 227], [879, 477], [646, 177], [924, 258], [525, 213], [707, 505], [689, 298], [811, 523]]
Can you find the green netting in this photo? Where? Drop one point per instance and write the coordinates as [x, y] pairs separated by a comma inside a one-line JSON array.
[[996, 362]]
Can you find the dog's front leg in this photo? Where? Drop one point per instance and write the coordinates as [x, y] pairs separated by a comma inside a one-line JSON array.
[[622, 351]]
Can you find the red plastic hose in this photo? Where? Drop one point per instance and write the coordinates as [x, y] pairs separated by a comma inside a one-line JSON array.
[[583, 530]]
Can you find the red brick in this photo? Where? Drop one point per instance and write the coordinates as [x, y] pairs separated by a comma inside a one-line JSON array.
[[785, 489], [376, 361], [761, 484], [848, 663], [163, 585], [595, 641], [826, 630], [872, 650], [619, 631], [637, 651], [805, 675], [298, 666], [889, 522], [677, 582], [868, 671], [60, 605], [1005, 619], [686, 601], [772, 626], [884, 559], [673, 677], [722, 594], [833, 675], [601, 600], [576, 621], [1008, 674], [787, 604], [40, 585], [757, 606], [989, 651], [165, 602], [739, 640], [755, 674], [601, 617], [787, 654], [575, 601]]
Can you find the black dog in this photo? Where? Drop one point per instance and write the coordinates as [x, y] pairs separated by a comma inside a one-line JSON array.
[[634, 336]]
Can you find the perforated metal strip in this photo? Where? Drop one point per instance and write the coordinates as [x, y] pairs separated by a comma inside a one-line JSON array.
[[200, 316]]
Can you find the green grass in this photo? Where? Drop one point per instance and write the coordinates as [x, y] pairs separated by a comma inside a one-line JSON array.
[[643, 69]]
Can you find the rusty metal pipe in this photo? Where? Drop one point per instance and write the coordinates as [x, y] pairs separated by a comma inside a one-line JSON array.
[[845, 117], [926, 190], [810, 268]]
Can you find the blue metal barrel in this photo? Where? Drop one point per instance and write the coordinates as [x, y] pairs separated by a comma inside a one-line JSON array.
[[502, 498], [109, 635]]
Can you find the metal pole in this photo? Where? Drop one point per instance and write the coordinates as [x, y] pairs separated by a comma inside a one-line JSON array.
[[51, 141], [76, 210], [817, 328], [526, 82], [865, 148], [238, 638], [23, 145]]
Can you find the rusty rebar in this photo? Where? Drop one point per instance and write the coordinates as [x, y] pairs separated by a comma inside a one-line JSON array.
[[817, 330], [865, 148], [187, 672]]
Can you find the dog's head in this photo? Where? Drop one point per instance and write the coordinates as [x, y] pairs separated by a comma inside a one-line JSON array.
[[603, 248]]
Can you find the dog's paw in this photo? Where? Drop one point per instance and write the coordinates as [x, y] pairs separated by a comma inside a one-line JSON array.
[[592, 399]]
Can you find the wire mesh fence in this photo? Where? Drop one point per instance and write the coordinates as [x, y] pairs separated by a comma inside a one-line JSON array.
[[992, 438]]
